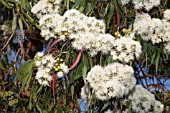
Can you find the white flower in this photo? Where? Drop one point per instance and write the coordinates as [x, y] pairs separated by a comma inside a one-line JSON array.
[[125, 48], [64, 68], [44, 7], [62, 37], [37, 63], [167, 47], [60, 74], [47, 70], [141, 25], [43, 77], [39, 74], [124, 2], [45, 83], [158, 107], [43, 61], [40, 54], [167, 14]]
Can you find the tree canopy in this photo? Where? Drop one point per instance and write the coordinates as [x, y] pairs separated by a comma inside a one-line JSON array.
[[72, 56]]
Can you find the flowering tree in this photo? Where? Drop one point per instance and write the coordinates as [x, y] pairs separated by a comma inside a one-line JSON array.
[[111, 55]]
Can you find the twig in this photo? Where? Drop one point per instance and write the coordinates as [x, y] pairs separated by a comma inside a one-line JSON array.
[[9, 39], [16, 58], [124, 24], [115, 106], [21, 45], [117, 12]]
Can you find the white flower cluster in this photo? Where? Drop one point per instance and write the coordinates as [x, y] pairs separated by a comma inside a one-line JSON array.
[[139, 4], [166, 22], [85, 32], [44, 7], [146, 4], [46, 64], [151, 28], [103, 43], [71, 23], [111, 81], [154, 29], [125, 49], [142, 101]]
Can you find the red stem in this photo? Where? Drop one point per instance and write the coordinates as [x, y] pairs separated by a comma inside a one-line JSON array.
[[77, 60], [118, 16], [53, 44], [53, 85]]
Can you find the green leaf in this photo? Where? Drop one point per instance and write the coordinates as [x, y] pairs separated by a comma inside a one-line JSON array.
[[106, 10], [14, 23], [82, 5], [105, 105], [25, 74], [88, 8], [30, 19], [76, 5], [157, 62], [39, 108], [30, 105], [84, 73], [111, 10], [94, 2], [72, 91], [23, 3], [153, 57], [1, 65], [21, 27], [5, 4], [39, 90]]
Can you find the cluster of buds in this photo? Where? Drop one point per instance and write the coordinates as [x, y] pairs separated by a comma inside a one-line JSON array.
[[57, 66], [125, 31], [117, 34]]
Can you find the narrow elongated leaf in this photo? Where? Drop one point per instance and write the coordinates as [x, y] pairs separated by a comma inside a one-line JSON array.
[[30, 19], [21, 27], [82, 5], [23, 3], [14, 23], [84, 73], [1, 65], [157, 62], [76, 5], [153, 57], [5, 4], [25, 74], [39, 108], [39, 90], [72, 91], [111, 10], [88, 8]]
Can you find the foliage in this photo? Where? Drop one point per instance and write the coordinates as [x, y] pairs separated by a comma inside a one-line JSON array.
[[20, 91]]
